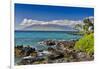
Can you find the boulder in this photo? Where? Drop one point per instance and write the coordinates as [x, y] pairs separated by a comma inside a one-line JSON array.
[[21, 51]]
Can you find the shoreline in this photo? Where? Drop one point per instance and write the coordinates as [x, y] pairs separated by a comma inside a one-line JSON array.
[[57, 52]]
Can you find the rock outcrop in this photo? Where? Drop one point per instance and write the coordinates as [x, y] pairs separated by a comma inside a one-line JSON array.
[[57, 52]]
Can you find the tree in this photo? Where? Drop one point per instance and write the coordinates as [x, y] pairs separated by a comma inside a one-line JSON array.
[[89, 26]]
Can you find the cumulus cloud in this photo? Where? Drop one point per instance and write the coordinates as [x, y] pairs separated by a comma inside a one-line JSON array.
[[49, 25], [55, 24], [28, 22]]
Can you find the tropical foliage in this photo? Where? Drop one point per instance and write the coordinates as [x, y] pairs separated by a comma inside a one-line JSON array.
[[87, 27], [86, 44]]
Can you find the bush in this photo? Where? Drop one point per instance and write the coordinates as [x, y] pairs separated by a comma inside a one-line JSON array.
[[86, 44]]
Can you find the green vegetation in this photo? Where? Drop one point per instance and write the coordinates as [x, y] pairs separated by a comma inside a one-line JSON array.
[[86, 28], [87, 25], [86, 44]]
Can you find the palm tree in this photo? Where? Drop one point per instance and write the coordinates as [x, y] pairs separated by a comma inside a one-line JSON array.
[[79, 27], [89, 26]]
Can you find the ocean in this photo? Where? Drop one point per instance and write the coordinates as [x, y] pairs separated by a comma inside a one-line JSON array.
[[32, 38]]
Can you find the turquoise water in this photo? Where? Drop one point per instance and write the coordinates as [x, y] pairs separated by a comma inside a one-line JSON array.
[[33, 37]]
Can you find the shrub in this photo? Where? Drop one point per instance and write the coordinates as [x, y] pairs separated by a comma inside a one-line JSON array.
[[86, 44]]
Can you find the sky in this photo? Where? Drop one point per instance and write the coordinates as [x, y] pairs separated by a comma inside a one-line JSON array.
[[47, 13], [45, 17]]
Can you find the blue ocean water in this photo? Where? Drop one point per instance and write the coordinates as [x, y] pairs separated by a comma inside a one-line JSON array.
[[33, 37]]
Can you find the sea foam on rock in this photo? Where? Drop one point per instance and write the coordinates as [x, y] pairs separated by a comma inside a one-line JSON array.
[[57, 52]]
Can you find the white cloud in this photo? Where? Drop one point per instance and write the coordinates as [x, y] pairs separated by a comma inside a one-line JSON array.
[[53, 24], [28, 22]]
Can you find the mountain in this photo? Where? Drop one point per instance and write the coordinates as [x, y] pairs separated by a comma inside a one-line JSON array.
[[53, 25]]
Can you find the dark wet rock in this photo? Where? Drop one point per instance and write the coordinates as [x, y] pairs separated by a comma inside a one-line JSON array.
[[21, 51], [50, 49], [57, 52], [19, 47], [48, 42], [61, 60], [31, 60], [68, 44], [53, 57], [27, 50], [60, 44], [83, 56]]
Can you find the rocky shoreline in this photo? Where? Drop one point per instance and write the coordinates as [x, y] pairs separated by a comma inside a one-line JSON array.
[[58, 52]]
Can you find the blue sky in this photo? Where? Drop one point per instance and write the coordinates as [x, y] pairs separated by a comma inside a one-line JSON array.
[[47, 13]]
